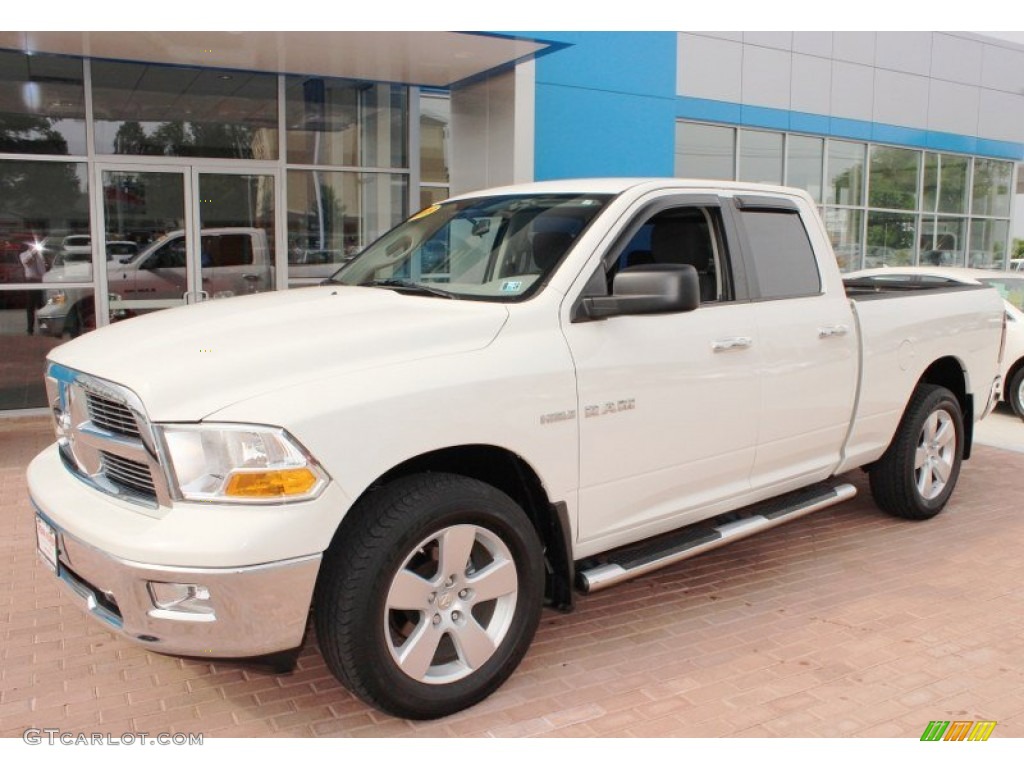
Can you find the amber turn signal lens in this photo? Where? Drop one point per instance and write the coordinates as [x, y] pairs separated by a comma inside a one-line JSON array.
[[271, 483]]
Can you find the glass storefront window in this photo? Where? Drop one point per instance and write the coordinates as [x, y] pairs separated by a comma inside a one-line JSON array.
[[894, 177], [42, 104], [992, 180], [705, 151], [148, 109], [334, 215], [844, 226], [341, 122], [942, 241], [953, 183], [431, 195], [435, 117], [845, 179], [804, 155], [761, 156], [890, 239], [21, 375], [988, 243], [44, 206]]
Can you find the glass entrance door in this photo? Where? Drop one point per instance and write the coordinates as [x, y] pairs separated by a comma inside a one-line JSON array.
[[184, 234]]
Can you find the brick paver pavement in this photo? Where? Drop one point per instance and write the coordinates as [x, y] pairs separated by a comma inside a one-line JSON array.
[[844, 623]]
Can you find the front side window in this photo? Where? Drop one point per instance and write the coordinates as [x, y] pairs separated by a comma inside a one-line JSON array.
[[685, 235], [489, 248]]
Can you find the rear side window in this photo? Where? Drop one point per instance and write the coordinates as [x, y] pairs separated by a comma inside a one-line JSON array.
[[782, 253]]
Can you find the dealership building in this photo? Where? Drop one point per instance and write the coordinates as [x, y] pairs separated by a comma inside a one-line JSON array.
[[140, 169]]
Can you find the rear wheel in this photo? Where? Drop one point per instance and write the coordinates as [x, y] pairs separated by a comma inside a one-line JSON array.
[[428, 601], [1015, 392], [918, 472]]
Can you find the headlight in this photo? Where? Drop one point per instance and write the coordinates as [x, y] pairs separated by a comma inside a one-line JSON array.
[[56, 297], [240, 463]]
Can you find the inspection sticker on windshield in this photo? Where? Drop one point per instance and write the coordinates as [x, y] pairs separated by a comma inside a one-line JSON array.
[[512, 286]]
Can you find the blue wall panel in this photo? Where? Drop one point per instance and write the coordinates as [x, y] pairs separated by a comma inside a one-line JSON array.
[[606, 105]]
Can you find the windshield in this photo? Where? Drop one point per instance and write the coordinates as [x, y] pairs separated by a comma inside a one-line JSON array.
[[491, 248], [1010, 288]]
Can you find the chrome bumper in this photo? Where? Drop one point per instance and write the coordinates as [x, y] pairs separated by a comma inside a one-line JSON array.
[[250, 611]]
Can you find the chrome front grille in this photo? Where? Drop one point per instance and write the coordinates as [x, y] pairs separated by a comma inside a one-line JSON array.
[[133, 475], [110, 415], [105, 437]]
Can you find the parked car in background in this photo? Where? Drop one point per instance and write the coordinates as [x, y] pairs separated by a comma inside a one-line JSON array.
[[1010, 287]]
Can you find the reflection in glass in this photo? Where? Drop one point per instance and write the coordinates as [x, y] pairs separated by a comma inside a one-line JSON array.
[[803, 166], [890, 240], [24, 354], [953, 183], [894, 177], [844, 231], [431, 195], [334, 215], [344, 122], [992, 179], [146, 210], [761, 156], [435, 116], [988, 243], [42, 104], [44, 206], [150, 109], [942, 241], [845, 180], [705, 151], [236, 216]]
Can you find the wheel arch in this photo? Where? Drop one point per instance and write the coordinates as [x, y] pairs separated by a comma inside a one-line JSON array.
[[513, 475], [949, 372]]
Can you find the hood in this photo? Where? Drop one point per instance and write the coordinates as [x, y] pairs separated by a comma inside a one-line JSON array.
[[188, 362]]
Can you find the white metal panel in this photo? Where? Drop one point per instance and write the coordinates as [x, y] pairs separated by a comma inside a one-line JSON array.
[[780, 40], [1002, 69], [909, 52], [766, 77], [901, 99], [855, 47], [812, 84], [953, 108], [853, 91], [1000, 115], [709, 68], [956, 59], [813, 43]]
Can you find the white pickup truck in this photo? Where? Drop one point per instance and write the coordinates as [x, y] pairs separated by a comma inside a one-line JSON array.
[[512, 395]]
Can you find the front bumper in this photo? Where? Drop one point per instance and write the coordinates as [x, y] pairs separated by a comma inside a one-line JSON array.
[[251, 610], [50, 324]]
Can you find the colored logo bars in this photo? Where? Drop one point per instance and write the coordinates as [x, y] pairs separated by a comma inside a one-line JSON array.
[[958, 730]]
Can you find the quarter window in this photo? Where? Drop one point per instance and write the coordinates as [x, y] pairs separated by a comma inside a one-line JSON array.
[[785, 263]]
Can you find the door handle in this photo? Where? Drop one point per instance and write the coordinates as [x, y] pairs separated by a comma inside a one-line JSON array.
[[736, 342], [832, 330]]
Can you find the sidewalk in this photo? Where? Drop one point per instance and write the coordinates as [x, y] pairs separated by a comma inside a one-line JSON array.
[[844, 623]]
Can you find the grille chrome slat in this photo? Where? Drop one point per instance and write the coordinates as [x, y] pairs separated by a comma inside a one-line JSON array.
[[105, 438], [110, 415], [131, 474]]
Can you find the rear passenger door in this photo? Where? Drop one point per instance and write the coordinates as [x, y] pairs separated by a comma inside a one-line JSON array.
[[668, 404], [808, 341]]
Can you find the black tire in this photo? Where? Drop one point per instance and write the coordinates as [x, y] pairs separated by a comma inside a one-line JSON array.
[[915, 484], [1015, 392], [382, 595]]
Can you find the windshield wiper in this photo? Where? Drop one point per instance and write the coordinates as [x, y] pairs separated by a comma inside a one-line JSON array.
[[410, 287]]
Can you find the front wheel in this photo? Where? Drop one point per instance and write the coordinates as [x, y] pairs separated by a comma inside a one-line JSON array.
[[1015, 392], [428, 601], [918, 472]]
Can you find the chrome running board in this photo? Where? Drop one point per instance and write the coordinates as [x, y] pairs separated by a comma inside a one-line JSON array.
[[637, 560]]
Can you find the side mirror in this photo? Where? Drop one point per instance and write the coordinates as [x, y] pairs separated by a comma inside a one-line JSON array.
[[647, 289]]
